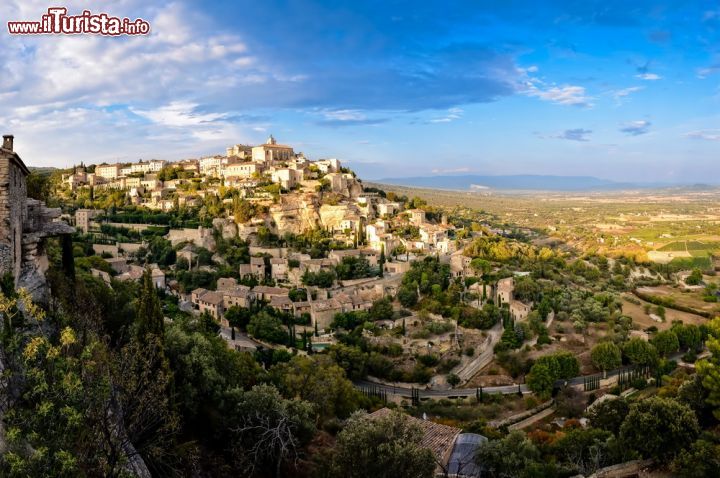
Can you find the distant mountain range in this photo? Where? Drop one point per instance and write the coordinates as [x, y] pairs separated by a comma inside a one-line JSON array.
[[521, 182]]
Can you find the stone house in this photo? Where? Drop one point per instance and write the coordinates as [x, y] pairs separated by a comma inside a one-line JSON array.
[[416, 216], [263, 292], [83, 217], [279, 269], [519, 310], [104, 276], [158, 277], [212, 303], [282, 302], [271, 151], [118, 264], [371, 255], [460, 265], [322, 312], [504, 291], [108, 171], [241, 170], [241, 151], [240, 296], [256, 268]]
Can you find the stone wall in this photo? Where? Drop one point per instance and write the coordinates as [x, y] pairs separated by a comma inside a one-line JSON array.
[[24, 225], [13, 192]]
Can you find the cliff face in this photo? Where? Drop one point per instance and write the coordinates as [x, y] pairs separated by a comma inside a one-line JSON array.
[[227, 227], [40, 223], [332, 216], [294, 214]]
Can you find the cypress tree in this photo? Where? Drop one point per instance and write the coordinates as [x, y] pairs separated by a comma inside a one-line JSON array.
[[149, 312], [382, 261]]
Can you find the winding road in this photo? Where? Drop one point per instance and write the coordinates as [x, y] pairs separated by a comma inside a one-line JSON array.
[[406, 392]]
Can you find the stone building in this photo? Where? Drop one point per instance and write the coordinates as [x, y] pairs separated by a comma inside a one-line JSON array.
[[83, 218], [24, 225], [271, 151]]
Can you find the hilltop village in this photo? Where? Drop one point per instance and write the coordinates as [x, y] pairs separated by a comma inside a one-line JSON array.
[[270, 193]]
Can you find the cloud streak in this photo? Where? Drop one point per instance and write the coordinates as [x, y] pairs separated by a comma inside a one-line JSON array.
[[636, 128], [576, 134], [704, 134]]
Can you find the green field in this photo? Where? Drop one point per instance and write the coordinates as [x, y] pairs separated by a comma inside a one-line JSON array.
[[687, 263], [697, 249], [689, 246]]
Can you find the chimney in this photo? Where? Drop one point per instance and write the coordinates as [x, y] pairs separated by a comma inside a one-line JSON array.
[[8, 142]]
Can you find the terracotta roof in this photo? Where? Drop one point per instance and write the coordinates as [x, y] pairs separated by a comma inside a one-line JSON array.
[[239, 291], [279, 301], [436, 437], [323, 305], [226, 283], [263, 289], [213, 298]]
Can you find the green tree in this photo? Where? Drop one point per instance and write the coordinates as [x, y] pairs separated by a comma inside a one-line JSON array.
[[385, 447], [238, 316], [318, 380], [609, 414], [659, 428], [268, 431], [584, 450], [640, 352], [694, 278], [204, 370], [541, 380], [709, 369], [149, 316], [689, 336], [666, 342], [563, 364], [349, 358], [407, 295], [606, 356], [701, 460], [381, 309], [265, 326], [381, 261], [512, 456]]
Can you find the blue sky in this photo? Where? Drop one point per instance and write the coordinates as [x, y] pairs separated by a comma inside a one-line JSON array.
[[618, 90]]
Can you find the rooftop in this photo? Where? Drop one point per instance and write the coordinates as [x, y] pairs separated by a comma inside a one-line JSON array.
[[436, 437]]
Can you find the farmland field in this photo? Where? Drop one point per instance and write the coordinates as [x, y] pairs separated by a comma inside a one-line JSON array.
[[680, 226]]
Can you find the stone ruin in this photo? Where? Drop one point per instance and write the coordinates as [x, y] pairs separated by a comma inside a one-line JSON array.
[[24, 225]]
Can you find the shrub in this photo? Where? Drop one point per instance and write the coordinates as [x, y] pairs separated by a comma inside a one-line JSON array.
[[428, 360]]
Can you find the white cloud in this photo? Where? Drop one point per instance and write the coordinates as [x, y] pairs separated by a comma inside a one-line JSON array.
[[570, 95], [62, 92], [621, 95], [452, 115], [706, 134], [344, 115], [179, 114], [649, 76]]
